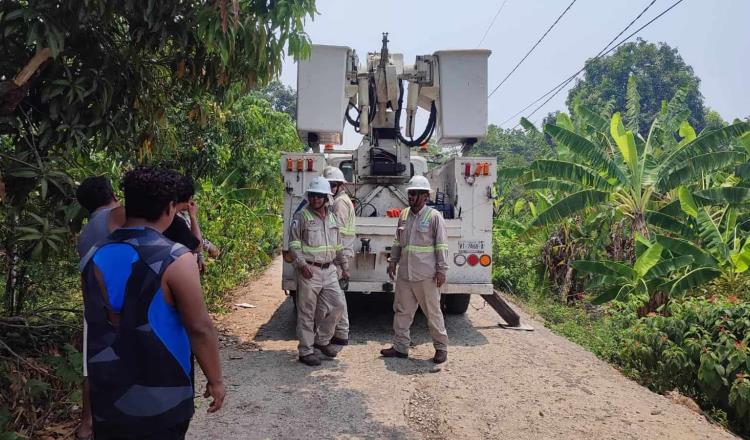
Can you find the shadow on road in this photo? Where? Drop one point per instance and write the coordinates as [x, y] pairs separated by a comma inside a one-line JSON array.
[[371, 318]]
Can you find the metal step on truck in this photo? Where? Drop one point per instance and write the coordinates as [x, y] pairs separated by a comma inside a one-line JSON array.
[[451, 87]]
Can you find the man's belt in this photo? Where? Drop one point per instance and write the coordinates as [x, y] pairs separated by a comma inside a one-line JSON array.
[[320, 265]]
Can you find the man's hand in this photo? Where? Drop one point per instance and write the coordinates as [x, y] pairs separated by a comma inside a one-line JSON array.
[[392, 270], [211, 248], [306, 272], [217, 391], [344, 275], [193, 209], [439, 278]]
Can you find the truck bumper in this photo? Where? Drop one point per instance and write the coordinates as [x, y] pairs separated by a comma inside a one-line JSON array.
[[377, 287]]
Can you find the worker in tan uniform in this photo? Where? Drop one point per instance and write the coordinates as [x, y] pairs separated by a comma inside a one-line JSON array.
[[343, 211], [315, 250], [419, 252]]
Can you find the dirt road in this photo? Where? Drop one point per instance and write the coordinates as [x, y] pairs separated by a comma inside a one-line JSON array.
[[497, 383]]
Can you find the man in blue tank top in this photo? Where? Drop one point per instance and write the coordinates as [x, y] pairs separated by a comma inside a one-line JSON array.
[[145, 312]]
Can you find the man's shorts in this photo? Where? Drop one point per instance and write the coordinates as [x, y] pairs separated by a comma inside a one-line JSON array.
[[176, 432]]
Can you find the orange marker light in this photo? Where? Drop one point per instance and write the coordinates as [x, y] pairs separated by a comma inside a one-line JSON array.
[[299, 165], [289, 165], [485, 260], [309, 164], [478, 171], [486, 169]]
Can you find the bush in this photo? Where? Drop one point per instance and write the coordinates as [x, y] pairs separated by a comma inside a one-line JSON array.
[[247, 234], [515, 262], [701, 348]]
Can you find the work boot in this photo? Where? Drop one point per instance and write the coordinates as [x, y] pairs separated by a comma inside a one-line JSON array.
[[311, 359], [392, 352], [440, 356], [339, 341], [328, 350]]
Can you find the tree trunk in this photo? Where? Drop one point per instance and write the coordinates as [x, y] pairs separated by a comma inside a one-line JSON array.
[[567, 283], [11, 279], [640, 225]]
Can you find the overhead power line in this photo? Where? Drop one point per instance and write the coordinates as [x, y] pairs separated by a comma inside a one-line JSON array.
[[492, 22], [569, 79], [558, 88], [532, 48]]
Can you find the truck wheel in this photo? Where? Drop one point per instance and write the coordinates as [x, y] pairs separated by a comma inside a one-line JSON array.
[[457, 303]]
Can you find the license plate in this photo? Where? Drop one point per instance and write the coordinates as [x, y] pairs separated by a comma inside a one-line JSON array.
[[471, 247]]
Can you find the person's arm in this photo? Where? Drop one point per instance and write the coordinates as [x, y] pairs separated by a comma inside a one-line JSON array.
[[194, 226], [395, 252], [340, 260], [295, 247], [184, 285], [441, 249]]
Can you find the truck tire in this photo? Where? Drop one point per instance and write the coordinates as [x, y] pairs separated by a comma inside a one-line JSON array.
[[456, 303]]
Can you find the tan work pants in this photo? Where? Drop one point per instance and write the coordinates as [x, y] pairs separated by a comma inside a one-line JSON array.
[[342, 328], [321, 293], [409, 296]]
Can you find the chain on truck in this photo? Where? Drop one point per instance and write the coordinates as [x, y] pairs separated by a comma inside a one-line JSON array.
[[450, 86]]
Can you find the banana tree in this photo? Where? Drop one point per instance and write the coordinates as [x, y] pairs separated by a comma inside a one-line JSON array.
[[714, 238], [618, 169], [648, 275]]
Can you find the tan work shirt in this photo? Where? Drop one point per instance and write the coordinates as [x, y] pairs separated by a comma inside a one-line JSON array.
[[421, 244], [316, 240], [343, 210]]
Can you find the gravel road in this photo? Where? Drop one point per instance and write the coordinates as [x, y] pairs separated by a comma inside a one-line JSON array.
[[497, 384]]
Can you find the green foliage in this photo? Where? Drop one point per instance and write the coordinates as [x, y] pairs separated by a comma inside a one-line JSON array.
[[512, 147], [515, 262], [598, 333], [701, 348], [282, 98], [659, 72], [101, 83]]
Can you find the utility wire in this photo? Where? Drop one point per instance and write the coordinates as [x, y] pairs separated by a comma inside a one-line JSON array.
[[492, 22], [558, 88], [569, 79], [532, 48]]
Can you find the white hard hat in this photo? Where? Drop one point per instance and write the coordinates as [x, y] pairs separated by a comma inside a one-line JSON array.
[[333, 174], [319, 185], [419, 183]]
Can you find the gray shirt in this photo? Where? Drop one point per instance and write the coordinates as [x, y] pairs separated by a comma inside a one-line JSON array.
[[96, 230]]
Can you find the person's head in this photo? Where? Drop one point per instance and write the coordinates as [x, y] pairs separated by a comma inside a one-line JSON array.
[[418, 192], [318, 192], [151, 193], [185, 193], [95, 192], [335, 178]]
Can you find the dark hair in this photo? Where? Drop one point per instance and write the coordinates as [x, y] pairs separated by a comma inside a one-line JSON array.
[[149, 190], [95, 192], [185, 190]]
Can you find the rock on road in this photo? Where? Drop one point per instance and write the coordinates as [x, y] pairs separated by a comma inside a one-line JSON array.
[[497, 384]]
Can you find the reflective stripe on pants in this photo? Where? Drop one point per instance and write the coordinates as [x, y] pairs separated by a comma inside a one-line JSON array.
[[409, 296], [320, 293]]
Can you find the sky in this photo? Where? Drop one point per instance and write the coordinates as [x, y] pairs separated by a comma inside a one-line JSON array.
[[712, 36]]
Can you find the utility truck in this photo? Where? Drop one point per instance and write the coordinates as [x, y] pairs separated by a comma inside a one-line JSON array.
[[450, 86]]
